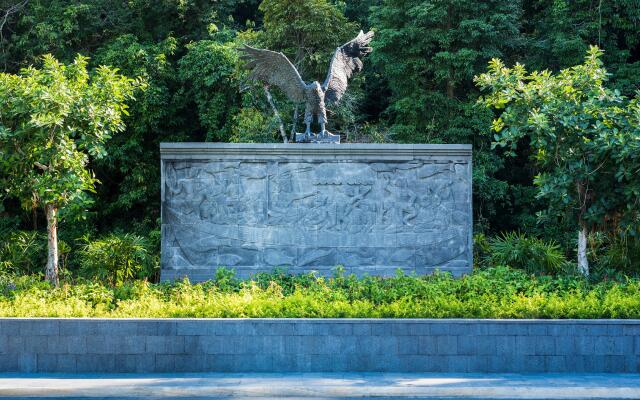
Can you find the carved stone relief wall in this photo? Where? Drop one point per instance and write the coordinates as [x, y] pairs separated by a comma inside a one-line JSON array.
[[370, 208]]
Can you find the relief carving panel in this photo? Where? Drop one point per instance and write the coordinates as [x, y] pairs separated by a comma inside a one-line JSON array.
[[369, 216]]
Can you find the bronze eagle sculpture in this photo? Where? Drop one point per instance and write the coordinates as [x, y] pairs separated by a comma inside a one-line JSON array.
[[274, 68]]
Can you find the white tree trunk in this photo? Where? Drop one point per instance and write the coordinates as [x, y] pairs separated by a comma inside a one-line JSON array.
[[51, 271], [583, 262]]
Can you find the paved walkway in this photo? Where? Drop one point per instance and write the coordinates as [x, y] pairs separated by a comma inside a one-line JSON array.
[[330, 385]]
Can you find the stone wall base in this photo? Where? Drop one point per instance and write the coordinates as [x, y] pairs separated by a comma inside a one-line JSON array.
[[321, 345]]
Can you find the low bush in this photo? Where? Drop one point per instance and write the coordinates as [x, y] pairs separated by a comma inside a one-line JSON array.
[[613, 255], [531, 254], [115, 258], [498, 292], [25, 252]]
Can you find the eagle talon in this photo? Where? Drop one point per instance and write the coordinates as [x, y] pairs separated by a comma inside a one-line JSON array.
[[305, 137]]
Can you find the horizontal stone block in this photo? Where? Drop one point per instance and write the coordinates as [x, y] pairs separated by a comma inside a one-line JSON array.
[[39, 327], [612, 345], [545, 345], [11, 327], [557, 364], [446, 345], [84, 327], [380, 329], [164, 344], [95, 362], [498, 328], [404, 328], [412, 345], [526, 345], [9, 363], [361, 329], [28, 362], [311, 328], [505, 345], [35, 344]]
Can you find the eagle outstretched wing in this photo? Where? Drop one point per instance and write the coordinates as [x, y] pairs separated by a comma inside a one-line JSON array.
[[275, 69], [346, 61]]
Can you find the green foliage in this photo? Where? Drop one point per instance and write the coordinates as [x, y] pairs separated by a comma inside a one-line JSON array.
[[488, 293], [116, 259], [307, 31], [560, 31], [23, 252], [51, 121], [66, 27], [209, 73], [129, 170], [528, 253], [251, 125], [614, 254], [584, 137], [430, 51]]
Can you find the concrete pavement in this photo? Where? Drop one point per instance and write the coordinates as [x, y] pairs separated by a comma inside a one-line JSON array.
[[321, 385]]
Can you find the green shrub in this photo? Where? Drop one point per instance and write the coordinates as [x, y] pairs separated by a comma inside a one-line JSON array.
[[114, 258], [23, 252], [528, 253], [499, 292], [614, 255]]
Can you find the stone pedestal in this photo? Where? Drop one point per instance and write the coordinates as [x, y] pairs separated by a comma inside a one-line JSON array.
[[330, 138], [370, 208]]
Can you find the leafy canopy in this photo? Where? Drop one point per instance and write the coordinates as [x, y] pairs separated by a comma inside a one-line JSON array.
[[52, 120], [307, 31], [585, 138]]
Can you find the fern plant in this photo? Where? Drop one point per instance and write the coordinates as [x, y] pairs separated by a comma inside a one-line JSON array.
[[517, 250]]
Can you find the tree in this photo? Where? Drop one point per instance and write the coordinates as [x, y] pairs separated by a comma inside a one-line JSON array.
[[307, 31], [51, 121], [559, 33], [129, 172], [210, 78], [585, 139]]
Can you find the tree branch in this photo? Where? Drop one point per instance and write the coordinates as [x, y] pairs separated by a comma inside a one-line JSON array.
[[5, 17], [11, 10], [283, 134], [294, 123], [41, 166]]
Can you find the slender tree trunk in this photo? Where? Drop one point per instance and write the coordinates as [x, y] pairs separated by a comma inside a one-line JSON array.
[[583, 262], [294, 123], [51, 272], [450, 93], [283, 134]]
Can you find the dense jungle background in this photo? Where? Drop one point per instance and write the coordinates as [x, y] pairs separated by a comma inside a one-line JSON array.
[[417, 87]]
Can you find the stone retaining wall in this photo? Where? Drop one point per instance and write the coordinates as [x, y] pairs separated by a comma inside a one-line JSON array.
[[280, 345]]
